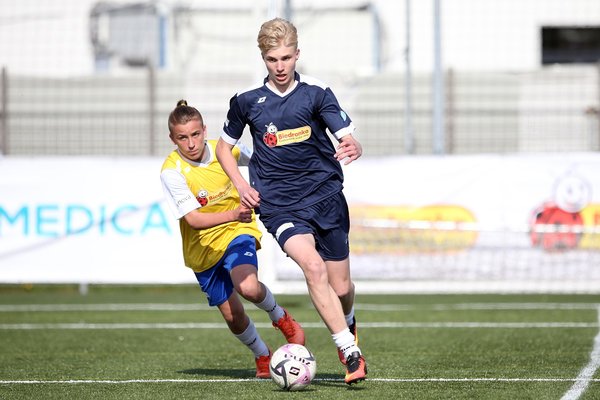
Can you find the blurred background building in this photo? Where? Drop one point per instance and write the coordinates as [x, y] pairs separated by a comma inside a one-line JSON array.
[[82, 77]]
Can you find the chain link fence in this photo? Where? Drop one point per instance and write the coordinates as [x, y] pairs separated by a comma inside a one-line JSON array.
[[205, 54]]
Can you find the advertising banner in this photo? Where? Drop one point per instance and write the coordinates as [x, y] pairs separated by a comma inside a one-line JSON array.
[[484, 222]]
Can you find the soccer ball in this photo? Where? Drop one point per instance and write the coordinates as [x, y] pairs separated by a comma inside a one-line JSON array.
[[292, 367]]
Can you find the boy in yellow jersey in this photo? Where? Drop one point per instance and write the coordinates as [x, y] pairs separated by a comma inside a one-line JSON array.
[[220, 237]]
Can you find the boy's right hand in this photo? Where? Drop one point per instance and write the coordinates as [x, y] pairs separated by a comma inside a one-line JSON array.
[[243, 213]]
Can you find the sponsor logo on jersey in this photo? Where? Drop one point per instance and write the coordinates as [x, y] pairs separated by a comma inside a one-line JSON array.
[[181, 201], [274, 137], [205, 198], [270, 136], [202, 197]]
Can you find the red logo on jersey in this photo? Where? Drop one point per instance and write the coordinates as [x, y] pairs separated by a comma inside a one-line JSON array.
[[270, 136], [202, 198]]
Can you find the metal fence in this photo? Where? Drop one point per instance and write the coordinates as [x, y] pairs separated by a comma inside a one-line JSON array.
[[548, 110]]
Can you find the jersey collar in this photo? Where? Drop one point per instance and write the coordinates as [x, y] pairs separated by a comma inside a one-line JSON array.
[[288, 91], [207, 159]]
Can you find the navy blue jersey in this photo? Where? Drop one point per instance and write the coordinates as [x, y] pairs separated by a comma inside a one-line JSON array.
[[293, 164]]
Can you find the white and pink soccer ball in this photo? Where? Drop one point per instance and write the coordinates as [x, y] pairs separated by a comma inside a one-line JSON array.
[[292, 367]]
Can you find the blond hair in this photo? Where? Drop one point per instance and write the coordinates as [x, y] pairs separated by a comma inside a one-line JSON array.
[[273, 32]]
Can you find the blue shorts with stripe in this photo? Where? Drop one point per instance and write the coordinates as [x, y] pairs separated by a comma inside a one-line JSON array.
[[216, 282], [328, 221]]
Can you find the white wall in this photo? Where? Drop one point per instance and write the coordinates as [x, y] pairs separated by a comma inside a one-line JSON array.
[[51, 38], [485, 34]]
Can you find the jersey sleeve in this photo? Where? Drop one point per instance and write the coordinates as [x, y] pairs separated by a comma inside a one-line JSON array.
[[179, 197], [235, 123], [336, 119]]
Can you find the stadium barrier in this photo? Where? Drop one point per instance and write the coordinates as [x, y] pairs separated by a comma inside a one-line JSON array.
[[480, 223]]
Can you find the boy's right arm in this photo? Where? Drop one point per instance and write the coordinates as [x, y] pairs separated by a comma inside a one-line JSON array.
[[184, 205], [198, 220]]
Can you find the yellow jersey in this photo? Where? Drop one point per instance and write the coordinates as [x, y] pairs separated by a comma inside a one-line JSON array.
[[191, 186]]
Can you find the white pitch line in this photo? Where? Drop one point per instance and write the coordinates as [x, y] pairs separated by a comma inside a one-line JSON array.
[[586, 374], [358, 306], [478, 306], [103, 307], [363, 325], [398, 380]]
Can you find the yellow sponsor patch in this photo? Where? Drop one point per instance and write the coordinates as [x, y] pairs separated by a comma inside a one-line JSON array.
[[295, 135]]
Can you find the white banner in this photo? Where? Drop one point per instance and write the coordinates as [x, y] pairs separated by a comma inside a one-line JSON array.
[[473, 223], [418, 223], [87, 220]]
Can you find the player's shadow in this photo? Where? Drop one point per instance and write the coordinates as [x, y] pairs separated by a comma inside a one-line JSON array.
[[239, 373], [322, 379], [333, 380]]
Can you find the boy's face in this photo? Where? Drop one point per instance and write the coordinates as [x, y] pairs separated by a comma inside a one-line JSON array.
[[281, 65], [190, 139]]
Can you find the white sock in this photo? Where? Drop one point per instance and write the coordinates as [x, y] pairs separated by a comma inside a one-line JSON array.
[[344, 341], [270, 306], [253, 341], [350, 317]]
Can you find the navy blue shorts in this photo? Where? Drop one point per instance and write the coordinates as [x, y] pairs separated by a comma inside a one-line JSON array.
[[328, 221], [216, 282]]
